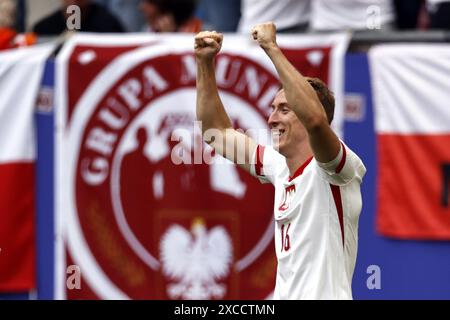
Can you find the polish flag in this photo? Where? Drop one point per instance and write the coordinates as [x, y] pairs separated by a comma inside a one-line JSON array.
[[20, 76], [411, 90]]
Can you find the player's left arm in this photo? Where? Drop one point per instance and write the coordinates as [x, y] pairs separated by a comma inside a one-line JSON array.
[[301, 97]]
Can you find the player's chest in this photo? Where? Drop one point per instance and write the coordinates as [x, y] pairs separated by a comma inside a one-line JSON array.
[[300, 212], [302, 196], [292, 198]]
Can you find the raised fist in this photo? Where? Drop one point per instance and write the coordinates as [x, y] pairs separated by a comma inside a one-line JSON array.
[[207, 44], [265, 34]]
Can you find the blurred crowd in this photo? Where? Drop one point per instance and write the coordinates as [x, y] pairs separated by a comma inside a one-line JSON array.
[[290, 16]]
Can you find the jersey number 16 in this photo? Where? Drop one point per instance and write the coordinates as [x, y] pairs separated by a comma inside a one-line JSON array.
[[285, 239]]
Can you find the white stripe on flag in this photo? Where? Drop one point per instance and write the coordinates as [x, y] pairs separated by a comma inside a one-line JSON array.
[[20, 77], [411, 88]]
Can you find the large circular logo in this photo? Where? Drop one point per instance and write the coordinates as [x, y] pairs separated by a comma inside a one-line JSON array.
[[157, 215]]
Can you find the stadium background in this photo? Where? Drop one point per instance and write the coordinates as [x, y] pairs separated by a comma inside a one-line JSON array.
[[410, 269]]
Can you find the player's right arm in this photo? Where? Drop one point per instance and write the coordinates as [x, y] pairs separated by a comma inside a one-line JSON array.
[[217, 129]]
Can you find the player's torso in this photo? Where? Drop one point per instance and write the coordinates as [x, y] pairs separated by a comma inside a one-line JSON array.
[[308, 239]]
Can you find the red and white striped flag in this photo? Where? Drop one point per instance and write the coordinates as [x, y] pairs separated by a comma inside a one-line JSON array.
[[20, 76], [411, 90]]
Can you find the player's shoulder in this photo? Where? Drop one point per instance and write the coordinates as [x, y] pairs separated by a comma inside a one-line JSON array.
[[354, 159], [348, 157], [346, 167], [271, 150]]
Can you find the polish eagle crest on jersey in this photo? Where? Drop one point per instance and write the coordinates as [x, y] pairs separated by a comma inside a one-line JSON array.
[[289, 193]]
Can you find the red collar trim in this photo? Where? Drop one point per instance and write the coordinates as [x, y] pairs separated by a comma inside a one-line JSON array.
[[300, 170]]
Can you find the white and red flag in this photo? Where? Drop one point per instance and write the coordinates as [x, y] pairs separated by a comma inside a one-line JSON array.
[[20, 77], [411, 91]]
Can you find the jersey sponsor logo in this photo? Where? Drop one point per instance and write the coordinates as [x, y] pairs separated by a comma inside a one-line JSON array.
[[143, 227]]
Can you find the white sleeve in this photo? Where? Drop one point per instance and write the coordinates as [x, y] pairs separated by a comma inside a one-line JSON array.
[[265, 163], [344, 168]]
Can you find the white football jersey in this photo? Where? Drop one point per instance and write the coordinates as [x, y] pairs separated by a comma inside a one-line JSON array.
[[316, 223]]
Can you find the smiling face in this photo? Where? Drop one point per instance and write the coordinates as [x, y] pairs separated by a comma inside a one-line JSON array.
[[287, 130]]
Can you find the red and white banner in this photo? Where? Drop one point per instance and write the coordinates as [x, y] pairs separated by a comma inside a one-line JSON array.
[[411, 90], [20, 77], [137, 224]]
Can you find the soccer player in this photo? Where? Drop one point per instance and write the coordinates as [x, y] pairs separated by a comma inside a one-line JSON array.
[[316, 176]]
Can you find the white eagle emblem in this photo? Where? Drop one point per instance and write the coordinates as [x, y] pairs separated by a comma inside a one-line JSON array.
[[196, 262]]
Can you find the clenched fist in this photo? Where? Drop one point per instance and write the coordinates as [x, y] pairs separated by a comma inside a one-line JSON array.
[[265, 34], [207, 44]]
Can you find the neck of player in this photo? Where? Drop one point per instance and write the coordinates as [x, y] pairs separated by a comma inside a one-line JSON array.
[[298, 157]]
